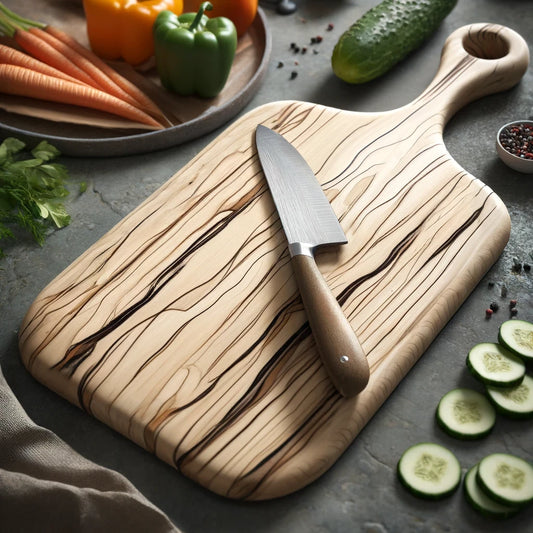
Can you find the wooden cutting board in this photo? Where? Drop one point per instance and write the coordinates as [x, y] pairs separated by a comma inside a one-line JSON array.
[[182, 327]]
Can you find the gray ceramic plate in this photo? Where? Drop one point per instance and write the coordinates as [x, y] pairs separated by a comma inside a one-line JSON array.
[[201, 116]]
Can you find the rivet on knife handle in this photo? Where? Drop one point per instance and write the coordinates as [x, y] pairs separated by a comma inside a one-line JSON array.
[[340, 351], [309, 222]]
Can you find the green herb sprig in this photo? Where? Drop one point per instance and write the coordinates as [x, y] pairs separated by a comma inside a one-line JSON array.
[[32, 190]]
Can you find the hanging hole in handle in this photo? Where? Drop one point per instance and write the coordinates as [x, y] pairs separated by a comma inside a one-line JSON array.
[[486, 44]]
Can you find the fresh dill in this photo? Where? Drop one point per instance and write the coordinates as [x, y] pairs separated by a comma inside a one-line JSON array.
[[32, 190]]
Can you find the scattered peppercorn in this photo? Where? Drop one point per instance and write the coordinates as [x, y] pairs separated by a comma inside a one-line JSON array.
[[514, 311], [491, 284], [527, 267], [330, 27], [494, 306], [315, 51], [294, 74], [512, 304], [304, 50], [488, 313], [280, 64], [517, 266], [503, 292], [518, 140]]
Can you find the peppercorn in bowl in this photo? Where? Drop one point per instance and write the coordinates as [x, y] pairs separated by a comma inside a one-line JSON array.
[[514, 144]]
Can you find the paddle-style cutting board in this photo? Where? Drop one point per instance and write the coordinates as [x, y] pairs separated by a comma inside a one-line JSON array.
[[182, 327]]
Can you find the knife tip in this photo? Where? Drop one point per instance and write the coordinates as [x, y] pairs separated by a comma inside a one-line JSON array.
[[262, 129]]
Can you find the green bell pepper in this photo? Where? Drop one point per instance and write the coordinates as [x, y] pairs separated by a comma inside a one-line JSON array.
[[194, 53]]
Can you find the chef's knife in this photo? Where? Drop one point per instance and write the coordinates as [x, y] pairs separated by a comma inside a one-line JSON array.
[[309, 221]]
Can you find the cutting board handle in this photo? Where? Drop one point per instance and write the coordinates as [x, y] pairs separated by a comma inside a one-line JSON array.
[[477, 60]]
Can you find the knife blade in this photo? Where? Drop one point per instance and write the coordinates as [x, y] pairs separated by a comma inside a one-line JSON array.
[[309, 222]]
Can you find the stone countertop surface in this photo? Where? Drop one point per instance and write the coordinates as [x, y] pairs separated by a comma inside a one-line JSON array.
[[361, 491]]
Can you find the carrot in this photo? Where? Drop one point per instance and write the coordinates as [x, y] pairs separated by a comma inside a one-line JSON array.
[[126, 85], [101, 81], [11, 56], [25, 82], [63, 52], [49, 55]]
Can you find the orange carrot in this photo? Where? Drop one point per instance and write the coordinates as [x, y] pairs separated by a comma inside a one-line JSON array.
[[61, 51], [101, 81], [126, 85], [49, 55], [11, 56], [25, 82]]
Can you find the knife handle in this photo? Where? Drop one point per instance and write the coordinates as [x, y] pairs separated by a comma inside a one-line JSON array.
[[339, 349]]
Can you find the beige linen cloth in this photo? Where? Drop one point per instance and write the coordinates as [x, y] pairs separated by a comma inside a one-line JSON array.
[[45, 486]]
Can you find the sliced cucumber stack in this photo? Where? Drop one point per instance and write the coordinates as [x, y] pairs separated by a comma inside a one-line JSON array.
[[466, 414], [517, 336], [495, 365], [506, 478], [481, 502], [517, 401], [429, 470], [501, 484]]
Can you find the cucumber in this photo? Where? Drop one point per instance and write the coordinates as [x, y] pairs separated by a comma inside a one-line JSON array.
[[429, 470], [506, 478], [516, 402], [481, 502], [517, 336], [385, 35], [466, 414], [495, 365]]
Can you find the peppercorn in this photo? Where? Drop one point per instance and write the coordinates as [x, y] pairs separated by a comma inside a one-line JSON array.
[[494, 306], [514, 311], [517, 266], [294, 74], [488, 312], [518, 140], [512, 304]]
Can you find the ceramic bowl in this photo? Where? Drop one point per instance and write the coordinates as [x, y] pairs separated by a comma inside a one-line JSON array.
[[511, 160]]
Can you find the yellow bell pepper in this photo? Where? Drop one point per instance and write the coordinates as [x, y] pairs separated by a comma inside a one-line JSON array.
[[122, 29]]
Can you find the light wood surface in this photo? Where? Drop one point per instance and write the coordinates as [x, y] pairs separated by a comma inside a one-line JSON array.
[[182, 328]]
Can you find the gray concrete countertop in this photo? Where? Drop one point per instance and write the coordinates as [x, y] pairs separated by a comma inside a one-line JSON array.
[[361, 491]]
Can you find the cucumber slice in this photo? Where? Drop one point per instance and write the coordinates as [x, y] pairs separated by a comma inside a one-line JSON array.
[[495, 365], [466, 414], [506, 478], [516, 401], [517, 336], [429, 470], [481, 502]]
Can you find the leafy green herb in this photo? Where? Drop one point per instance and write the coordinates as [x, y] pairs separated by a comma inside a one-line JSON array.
[[31, 190]]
